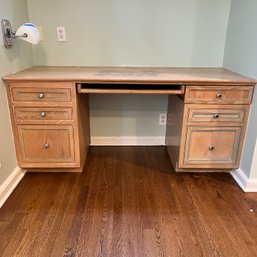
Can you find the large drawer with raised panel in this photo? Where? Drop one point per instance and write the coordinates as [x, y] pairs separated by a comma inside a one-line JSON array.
[[208, 147], [41, 144], [219, 94]]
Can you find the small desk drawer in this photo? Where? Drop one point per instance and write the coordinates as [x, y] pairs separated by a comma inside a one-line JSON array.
[[42, 113], [46, 144], [210, 114], [209, 147], [40, 94], [219, 94]]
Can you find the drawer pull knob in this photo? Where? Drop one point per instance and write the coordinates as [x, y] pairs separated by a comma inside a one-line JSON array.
[[42, 114], [211, 148], [219, 95], [46, 146], [41, 95], [216, 115]]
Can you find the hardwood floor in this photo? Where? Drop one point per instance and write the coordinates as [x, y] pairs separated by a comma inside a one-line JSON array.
[[128, 202]]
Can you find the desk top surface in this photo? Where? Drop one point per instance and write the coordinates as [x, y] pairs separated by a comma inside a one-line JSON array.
[[130, 75]]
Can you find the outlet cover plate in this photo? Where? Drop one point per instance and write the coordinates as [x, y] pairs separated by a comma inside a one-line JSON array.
[[61, 35], [162, 119]]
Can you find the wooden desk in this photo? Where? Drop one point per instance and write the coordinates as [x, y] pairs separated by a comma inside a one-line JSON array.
[[207, 113]]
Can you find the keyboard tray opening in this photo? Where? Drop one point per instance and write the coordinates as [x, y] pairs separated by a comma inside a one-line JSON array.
[[105, 88]]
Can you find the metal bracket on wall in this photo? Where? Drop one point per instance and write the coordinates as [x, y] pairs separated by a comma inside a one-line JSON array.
[[7, 32]]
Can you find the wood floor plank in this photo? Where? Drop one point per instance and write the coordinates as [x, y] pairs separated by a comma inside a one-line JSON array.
[[128, 202]]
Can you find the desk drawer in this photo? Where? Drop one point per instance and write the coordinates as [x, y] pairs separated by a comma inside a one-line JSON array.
[[42, 114], [209, 147], [219, 94], [36, 92], [216, 115], [46, 144]]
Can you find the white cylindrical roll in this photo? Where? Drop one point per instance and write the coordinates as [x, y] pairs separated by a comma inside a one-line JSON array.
[[29, 33]]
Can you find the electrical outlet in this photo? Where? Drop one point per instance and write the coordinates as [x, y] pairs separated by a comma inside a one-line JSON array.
[[162, 119], [61, 36]]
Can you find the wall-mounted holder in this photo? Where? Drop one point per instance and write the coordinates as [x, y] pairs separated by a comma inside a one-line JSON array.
[[27, 32]]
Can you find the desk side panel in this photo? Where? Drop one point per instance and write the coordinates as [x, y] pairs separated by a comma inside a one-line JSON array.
[[174, 127], [83, 126]]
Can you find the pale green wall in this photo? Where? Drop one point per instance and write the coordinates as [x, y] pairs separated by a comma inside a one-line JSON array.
[[130, 33], [128, 115], [241, 56], [137, 33], [11, 60]]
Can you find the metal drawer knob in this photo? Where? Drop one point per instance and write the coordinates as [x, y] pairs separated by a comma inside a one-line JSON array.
[[42, 114], [41, 95], [219, 95], [46, 146], [211, 148], [216, 115]]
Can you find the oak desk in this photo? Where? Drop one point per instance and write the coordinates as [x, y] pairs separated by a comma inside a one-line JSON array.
[[207, 113]]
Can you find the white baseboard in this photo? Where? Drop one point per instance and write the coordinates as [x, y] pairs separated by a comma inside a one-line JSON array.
[[128, 141], [247, 185], [10, 184]]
